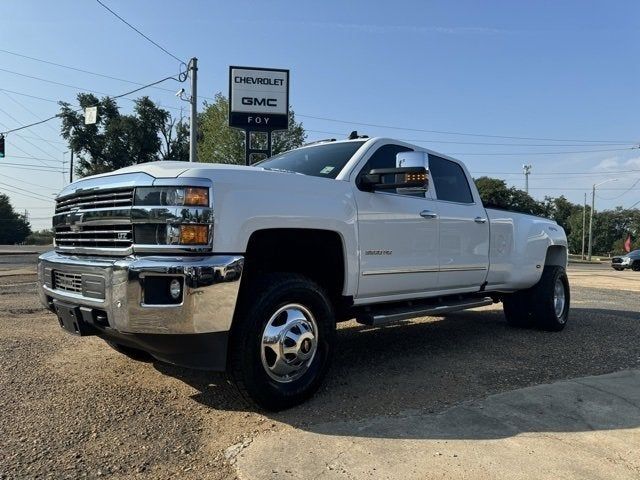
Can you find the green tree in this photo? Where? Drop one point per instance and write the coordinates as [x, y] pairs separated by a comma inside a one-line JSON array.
[[41, 237], [219, 143], [495, 194], [175, 139], [118, 140], [560, 209], [14, 227]]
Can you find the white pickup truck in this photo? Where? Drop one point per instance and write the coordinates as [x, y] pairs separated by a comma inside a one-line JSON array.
[[248, 269]]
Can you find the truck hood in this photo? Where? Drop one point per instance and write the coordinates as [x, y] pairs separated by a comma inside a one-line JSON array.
[[172, 169], [136, 174]]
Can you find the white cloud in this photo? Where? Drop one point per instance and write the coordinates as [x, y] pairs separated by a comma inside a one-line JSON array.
[[617, 163]]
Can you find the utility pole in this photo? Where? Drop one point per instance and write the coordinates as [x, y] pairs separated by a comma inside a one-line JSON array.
[[527, 170], [71, 168], [193, 70], [584, 222], [64, 162], [593, 201]]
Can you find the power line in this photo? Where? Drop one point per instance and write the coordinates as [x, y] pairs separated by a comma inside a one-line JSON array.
[[554, 174], [41, 168], [455, 142], [37, 135], [583, 142], [27, 191], [75, 87], [42, 199], [28, 157], [623, 193], [40, 138], [543, 153], [391, 127], [113, 97], [19, 148], [24, 107], [577, 188], [81, 70], [30, 96], [139, 32]]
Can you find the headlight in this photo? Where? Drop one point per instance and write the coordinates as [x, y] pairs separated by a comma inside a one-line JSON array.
[[172, 234], [172, 196]]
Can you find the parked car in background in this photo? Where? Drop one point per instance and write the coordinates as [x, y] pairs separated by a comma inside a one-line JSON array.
[[630, 260]]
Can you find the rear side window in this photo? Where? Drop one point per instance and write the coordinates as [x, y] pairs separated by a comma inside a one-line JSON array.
[[450, 181]]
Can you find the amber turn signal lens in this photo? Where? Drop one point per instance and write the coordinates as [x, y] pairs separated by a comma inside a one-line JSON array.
[[194, 234], [197, 197]]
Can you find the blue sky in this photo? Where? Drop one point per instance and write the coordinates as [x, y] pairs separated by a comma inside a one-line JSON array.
[[543, 69]]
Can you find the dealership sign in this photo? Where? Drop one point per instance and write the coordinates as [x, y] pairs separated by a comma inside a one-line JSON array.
[[258, 98]]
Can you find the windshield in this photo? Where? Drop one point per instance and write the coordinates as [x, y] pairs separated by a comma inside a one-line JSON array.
[[326, 160]]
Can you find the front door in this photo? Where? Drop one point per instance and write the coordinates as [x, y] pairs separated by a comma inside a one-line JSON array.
[[398, 237]]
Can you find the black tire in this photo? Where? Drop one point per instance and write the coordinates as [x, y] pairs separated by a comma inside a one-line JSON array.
[[635, 266], [263, 298], [618, 269], [132, 353], [543, 303], [517, 309]]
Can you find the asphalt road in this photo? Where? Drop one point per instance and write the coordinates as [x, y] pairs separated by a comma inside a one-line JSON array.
[[75, 408]]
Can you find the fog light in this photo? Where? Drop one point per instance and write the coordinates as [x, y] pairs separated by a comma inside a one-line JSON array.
[[194, 234], [175, 289]]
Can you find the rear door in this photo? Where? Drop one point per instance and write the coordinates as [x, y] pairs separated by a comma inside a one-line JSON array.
[[464, 227]]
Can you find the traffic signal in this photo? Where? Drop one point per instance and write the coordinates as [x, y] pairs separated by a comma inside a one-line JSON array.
[[1, 146]]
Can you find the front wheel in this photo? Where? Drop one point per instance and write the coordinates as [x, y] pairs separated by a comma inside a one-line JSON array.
[[636, 266], [282, 342]]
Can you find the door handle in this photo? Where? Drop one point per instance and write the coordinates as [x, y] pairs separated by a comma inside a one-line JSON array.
[[428, 214], [480, 220]]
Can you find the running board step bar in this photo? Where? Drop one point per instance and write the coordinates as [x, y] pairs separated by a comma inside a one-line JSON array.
[[382, 315]]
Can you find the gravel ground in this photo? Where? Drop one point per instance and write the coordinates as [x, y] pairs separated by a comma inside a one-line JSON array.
[[75, 408]]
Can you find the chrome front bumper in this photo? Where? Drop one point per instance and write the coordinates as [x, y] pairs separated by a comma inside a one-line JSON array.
[[211, 285]]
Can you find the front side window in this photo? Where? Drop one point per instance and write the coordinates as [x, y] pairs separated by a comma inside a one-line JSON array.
[[326, 160], [384, 157], [450, 181]]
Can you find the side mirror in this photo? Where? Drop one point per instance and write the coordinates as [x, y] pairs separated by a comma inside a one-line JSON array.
[[410, 174], [411, 159], [414, 178]]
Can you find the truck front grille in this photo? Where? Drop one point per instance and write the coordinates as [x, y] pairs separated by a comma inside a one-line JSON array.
[[69, 282], [97, 236], [616, 260], [117, 198], [85, 284]]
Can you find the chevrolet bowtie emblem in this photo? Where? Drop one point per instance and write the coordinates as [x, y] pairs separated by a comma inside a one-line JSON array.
[[74, 219]]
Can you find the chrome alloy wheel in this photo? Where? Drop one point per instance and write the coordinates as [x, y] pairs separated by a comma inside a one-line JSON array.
[[289, 343], [559, 298]]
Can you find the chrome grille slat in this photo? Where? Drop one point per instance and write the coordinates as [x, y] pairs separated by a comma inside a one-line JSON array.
[[76, 240], [106, 198], [92, 232], [103, 236]]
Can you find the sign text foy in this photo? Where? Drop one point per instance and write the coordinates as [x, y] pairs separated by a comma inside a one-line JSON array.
[[258, 98]]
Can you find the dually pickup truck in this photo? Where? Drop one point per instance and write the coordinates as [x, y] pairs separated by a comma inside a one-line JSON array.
[[248, 269]]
